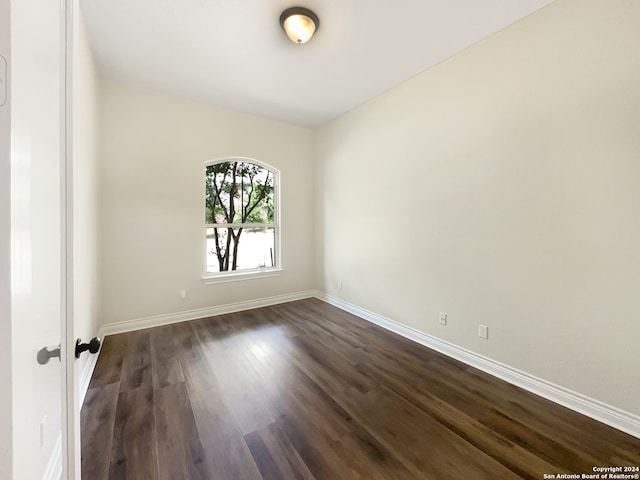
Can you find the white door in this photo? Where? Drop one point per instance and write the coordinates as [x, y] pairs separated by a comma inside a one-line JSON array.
[[44, 415]]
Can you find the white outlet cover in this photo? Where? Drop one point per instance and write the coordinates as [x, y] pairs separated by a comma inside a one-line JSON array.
[[443, 318], [483, 331]]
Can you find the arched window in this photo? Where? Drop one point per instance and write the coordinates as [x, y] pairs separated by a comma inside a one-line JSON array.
[[241, 216]]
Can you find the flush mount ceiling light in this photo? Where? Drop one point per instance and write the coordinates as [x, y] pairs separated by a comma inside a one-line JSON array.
[[299, 24]]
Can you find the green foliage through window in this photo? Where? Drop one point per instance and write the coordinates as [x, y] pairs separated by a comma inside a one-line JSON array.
[[239, 196]]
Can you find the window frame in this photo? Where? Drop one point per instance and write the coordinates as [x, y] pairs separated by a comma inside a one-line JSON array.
[[247, 273]]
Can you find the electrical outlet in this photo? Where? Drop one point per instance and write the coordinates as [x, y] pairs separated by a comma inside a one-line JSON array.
[[443, 318], [483, 331], [340, 284], [183, 294]]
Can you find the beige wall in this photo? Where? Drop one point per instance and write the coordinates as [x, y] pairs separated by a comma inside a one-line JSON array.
[[86, 218], [153, 150], [502, 187]]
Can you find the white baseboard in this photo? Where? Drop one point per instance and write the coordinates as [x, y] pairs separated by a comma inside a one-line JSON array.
[[85, 376], [158, 320], [607, 414]]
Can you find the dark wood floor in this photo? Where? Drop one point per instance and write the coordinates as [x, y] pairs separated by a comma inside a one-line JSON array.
[[306, 391]]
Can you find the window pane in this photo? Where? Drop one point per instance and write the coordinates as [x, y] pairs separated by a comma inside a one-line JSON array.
[[250, 247], [238, 192]]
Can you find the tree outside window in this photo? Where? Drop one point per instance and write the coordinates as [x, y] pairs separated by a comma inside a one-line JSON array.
[[240, 216]]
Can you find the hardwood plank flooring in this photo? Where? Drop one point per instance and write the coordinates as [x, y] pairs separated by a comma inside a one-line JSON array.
[[304, 390], [180, 451], [136, 365], [133, 447], [275, 456], [227, 453], [166, 368], [97, 420]]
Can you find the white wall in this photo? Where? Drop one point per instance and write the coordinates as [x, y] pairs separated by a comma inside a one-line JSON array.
[[86, 193], [5, 259], [502, 187], [152, 155]]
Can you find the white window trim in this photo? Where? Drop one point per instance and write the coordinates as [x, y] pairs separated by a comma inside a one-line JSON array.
[[240, 225], [238, 276], [210, 278]]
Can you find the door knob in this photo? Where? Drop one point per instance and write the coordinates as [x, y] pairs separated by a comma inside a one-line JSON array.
[[93, 346], [44, 354]]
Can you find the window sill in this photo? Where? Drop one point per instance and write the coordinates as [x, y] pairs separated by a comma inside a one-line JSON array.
[[212, 278]]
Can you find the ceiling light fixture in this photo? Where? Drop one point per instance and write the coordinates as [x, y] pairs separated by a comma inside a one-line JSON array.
[[299, 24]]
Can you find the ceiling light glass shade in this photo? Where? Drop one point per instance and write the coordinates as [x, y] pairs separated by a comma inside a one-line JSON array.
[[299, 24]]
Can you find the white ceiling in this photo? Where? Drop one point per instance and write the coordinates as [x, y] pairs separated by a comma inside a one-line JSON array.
[[233, 53]]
